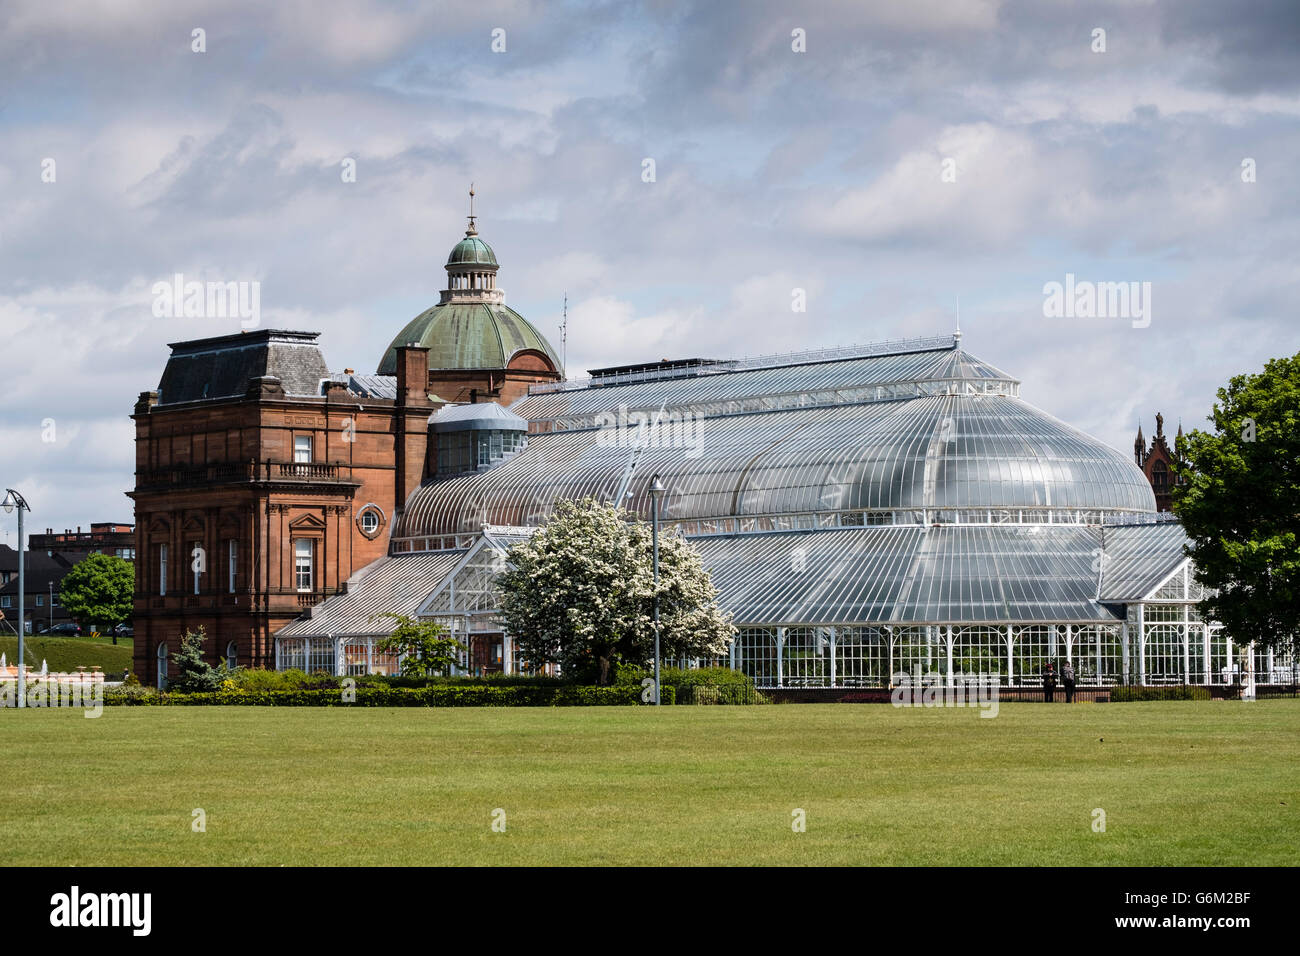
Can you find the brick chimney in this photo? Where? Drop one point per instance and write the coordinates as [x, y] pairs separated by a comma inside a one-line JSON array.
[[412, 375], [411, 417]]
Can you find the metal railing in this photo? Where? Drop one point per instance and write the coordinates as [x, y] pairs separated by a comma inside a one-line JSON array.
[[239, 472]]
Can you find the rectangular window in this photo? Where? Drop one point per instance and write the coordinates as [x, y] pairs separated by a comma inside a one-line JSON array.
[[162, 569], [302, 563], [231, 551], [197, 559], [301, 449], [40, 600], [54, 599], [4, 601]]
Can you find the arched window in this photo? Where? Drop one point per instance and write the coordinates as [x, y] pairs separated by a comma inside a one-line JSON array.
[[162, 667], [232, 656], [1160, 475]]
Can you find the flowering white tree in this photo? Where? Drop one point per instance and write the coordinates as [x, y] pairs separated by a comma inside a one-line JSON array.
[[580, 593]]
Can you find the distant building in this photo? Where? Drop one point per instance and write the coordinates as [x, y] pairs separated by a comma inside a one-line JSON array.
[[1157, 462], [49, 557], [43, 609], [105, 537]]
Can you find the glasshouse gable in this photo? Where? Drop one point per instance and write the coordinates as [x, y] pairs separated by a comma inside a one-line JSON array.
[[864, 512]]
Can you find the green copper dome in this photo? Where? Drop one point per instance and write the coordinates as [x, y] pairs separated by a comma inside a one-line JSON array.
[[472, 250], [471, 327], [468, 335]]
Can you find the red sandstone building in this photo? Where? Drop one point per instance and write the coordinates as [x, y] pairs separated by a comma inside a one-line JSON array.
[[264, 481], [1157, 462]]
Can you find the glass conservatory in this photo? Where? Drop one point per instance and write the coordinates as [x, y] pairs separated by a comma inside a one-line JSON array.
[[864, 513]]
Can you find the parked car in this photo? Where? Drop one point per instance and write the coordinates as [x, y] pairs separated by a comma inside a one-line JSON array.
[[66, 628], [123, 630]]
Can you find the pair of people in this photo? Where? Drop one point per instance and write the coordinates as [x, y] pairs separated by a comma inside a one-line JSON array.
[[1067, 681]]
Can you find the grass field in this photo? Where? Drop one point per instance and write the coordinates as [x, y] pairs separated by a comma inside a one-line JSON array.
[[1181, 783], [67, 653]]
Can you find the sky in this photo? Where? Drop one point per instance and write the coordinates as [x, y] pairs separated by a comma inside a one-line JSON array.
[[890, 160]]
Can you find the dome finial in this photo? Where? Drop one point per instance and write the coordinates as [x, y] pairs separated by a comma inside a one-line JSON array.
[[471, 231]]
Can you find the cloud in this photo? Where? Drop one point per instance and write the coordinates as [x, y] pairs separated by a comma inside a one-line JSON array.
[[776, 170]]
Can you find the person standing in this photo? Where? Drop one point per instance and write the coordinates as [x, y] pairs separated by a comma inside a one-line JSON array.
[[1049, 683], [1067, 681]]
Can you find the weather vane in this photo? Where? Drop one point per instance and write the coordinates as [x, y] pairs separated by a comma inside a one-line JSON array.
[[471, 231]]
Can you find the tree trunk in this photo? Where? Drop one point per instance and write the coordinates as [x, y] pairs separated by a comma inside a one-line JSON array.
[[604, 671]]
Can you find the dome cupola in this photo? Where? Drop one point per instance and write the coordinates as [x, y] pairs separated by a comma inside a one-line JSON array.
[[472, 328]]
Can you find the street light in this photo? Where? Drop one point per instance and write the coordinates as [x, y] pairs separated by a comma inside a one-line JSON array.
[[657, 491], [14, 500]]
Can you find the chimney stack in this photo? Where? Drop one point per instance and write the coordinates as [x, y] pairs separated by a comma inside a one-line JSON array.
[[411, 417]]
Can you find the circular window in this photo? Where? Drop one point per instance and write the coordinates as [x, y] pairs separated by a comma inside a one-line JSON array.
[[369, 521]]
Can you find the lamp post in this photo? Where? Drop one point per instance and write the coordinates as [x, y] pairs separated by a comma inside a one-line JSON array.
[[656, 493], [14, 500]]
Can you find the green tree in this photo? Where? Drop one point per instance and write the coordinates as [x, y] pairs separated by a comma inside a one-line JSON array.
[[425, 646], [194, 674], [98, 590], [580, 592], [1240, 505]]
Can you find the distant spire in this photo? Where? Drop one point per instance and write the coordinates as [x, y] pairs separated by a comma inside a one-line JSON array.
[[956, 336], [471, 231]]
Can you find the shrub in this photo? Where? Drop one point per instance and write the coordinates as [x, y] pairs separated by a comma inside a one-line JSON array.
[[1126, 694], [441, 695], [702, 685], [252, 681], [131, 695], [193, 673]]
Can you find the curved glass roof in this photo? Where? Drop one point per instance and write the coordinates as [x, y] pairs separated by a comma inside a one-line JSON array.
[[957, 448], [726, 388], [909, 575]]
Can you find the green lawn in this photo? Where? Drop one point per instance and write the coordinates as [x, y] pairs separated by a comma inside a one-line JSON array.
[[67, 653], [1181, 783]]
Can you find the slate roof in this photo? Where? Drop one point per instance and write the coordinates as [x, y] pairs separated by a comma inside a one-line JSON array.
[[42, 570], [220, 367], [370, 386]]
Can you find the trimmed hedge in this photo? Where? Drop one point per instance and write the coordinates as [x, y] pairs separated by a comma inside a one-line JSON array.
[[253, 680], [465, 695], [1126, 694], [701, 685]]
